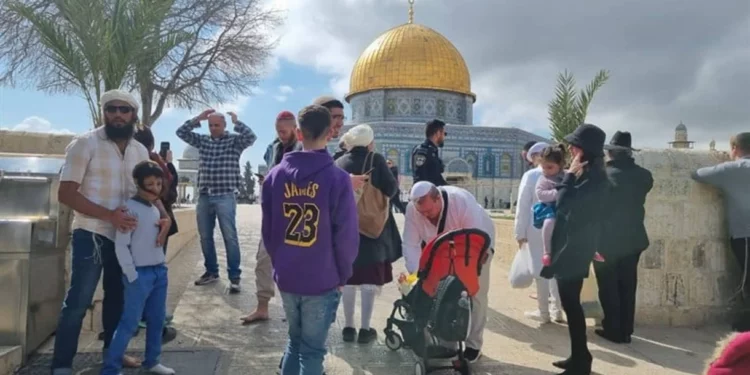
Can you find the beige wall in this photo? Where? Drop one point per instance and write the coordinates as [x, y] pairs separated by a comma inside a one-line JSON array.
[[33, 143], [687, 275]]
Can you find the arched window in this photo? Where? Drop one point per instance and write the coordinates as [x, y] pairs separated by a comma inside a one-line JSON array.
[[471, 159], [489, 165], [505, 165]]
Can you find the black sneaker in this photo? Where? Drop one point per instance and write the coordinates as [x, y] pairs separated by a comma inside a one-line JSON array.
[[367, 336], [206, 279], [350, 334], [234, 285], [168, 334], [472, 355]]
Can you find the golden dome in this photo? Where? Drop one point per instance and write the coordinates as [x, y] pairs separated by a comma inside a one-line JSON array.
[[410, 56]]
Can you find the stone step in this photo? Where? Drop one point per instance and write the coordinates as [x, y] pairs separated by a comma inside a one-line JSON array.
[[11, 358]]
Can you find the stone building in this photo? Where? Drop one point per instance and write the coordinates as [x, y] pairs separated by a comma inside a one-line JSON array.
[[412, 74], [188, 171], [681, 137]]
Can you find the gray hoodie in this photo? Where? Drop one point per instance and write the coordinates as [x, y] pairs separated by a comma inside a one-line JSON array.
[[733, 179], [138, 248]]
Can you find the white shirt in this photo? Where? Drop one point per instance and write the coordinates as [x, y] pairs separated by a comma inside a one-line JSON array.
[[523, 226], [463, 212], [104, 173]]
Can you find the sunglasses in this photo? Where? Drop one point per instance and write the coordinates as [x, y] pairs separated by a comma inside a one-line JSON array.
[[116, 108]]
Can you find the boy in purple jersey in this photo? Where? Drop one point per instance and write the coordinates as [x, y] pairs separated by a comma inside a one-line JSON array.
[[311, 232]]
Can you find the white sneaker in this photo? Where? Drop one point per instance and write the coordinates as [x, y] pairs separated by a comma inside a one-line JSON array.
[[557, 316], [538, 316], [161, 370]]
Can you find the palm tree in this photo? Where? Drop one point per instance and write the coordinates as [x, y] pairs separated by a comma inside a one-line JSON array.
[[97, 44], [568, 109]]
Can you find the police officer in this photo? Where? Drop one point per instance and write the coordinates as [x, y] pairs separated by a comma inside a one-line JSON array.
[[425, 162]]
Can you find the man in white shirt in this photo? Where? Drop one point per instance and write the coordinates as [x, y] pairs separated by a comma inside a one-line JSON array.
[[95, 182], [423, 216]]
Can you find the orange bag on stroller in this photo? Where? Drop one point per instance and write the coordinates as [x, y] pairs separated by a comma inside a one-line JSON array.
[[439, 305]]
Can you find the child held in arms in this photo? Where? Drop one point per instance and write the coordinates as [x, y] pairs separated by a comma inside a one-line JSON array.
[[144, 269], [553, 162], [311, 232]]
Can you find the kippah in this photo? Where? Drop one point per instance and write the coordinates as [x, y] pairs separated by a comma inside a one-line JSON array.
[[323, 100], [285, 115], [420, 189]]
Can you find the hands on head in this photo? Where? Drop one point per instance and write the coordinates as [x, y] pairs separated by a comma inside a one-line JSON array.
[[204, 115]]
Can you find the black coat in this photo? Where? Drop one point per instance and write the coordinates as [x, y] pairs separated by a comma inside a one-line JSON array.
[[172, 198], [581, 210], [387, 247], [625, 232]]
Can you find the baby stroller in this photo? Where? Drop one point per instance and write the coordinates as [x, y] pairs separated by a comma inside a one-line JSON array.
[[438, 308]]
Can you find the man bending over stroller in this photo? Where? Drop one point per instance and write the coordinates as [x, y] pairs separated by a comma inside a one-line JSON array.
[[463, 212]]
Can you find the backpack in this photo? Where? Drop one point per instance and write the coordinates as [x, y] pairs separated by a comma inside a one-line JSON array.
[[372, 205], [450, 316]]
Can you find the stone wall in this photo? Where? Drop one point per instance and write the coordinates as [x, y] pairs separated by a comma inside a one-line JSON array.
[[688, 274], [33, 143]]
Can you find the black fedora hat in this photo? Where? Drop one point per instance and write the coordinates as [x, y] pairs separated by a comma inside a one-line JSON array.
[[589, 138], [621, 141]]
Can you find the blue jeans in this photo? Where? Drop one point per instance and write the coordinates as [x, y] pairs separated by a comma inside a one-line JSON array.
[[146, 296], [91, 253], [309, 319], [224, 208]]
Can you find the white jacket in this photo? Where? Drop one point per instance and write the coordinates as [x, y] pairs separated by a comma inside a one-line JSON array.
[[524, 222]]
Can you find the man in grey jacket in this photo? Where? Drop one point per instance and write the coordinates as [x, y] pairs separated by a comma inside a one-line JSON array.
[[733, 179], [286, 141]]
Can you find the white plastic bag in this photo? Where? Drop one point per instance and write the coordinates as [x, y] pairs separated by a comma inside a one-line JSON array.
[[521, 275]]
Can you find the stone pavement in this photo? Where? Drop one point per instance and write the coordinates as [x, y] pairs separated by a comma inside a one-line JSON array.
[[208, 320], [209, 317]]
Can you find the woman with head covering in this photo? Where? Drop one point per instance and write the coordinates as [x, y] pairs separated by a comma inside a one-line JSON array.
[[530, 239], [372, 268], [581, 212]]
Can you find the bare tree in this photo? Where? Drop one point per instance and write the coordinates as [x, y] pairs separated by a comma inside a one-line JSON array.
[[198, 52]]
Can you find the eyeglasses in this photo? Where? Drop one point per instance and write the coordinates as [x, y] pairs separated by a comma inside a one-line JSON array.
[[336, 117], [116, 108]]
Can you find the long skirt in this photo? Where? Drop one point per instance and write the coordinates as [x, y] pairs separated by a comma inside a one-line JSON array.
[[372, 274]]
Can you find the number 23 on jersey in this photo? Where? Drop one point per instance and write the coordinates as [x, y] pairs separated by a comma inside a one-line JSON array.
[[302, 229]]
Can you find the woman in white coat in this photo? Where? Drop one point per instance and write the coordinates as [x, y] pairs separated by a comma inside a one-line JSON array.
[[530, 239]]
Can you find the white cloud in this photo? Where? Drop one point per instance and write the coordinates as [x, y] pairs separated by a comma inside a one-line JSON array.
[[280, 98], [36, 124], [286, 89]]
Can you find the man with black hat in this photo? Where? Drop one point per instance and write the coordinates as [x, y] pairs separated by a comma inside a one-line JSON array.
[[426, 164], [624, 240]]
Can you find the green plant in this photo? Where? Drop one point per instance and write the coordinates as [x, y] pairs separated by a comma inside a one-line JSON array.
[[568, 109]]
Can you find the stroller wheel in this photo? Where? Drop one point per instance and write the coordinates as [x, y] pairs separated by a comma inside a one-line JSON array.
[[393, 341], [419, 368]]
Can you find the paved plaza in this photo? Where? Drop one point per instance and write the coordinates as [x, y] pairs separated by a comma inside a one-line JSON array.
[[210, 334]]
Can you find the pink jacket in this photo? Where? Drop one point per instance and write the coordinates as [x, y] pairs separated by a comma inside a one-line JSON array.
[[734, 358]]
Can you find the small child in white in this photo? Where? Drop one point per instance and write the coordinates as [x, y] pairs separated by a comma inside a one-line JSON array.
[[144, 274], [553, 161]]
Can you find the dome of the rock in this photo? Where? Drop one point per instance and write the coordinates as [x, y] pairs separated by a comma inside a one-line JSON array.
[[411, 56]]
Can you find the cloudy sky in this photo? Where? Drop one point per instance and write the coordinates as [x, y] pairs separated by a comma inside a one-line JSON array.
[[670, 61]]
